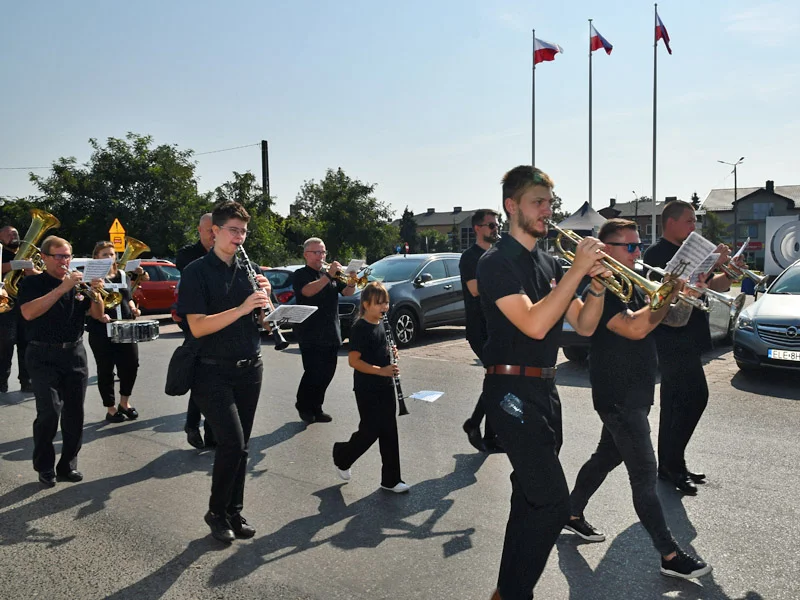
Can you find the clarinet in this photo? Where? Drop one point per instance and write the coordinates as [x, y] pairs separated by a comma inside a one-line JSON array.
[[280, 341], [401, 402]]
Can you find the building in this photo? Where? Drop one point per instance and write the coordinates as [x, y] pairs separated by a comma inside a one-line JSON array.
[[750, 211], [445, 222], [640, 212]]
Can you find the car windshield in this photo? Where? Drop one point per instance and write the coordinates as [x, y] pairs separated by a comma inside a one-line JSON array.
[[171, 273], [278, 279], [788, 283], [395, 269]]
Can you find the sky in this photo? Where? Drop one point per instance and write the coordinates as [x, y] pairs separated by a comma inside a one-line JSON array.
[[428, 99]]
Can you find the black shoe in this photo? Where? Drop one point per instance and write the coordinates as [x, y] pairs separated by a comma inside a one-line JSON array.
[[117, 417], [697, 477], [241, 528], [584, 529], [47, 478], [129, 412], [307, 416], [72, 475], [210, 440], [322, 417], [680, 480], [24, 386], [684, 566], [220, 527], [474, 436], [193, 437]]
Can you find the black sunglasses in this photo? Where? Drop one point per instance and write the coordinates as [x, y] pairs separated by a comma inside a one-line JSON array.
[[631, 246]]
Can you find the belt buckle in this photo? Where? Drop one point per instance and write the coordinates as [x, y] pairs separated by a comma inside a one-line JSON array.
[[548, 372], [242, 363]]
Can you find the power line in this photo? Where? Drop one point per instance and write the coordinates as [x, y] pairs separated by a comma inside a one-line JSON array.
[[226, 149]]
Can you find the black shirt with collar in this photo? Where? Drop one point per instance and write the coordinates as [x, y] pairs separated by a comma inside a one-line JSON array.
[[189, 254], [98, 327], [658, 255], [208, 287], [468, 267], [63, 322], [506, 269], [322, 327], [370, 340], [622, 371]]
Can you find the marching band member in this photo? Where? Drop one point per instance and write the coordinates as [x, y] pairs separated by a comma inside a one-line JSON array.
[[622, 371], [524, 295], [107, 355], [55, 310], [218, 300], [11, 323]]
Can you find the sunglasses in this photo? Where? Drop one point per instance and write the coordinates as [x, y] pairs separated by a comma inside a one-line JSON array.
[[631, 246], [489, 225]]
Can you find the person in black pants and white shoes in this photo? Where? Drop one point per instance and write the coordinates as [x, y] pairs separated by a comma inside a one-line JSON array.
[[186, 255], [484, 223], [373, 384], [107, 354], [320, 335], [223, 311], [622, 371], [524, 296], [11, 323], [55, 311]]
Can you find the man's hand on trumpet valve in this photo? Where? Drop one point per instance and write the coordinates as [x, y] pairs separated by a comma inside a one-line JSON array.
[[335, 267], [71, 279], [586, 257], [724, 255]]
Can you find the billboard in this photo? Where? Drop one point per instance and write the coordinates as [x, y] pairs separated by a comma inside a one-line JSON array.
[[783, 243]]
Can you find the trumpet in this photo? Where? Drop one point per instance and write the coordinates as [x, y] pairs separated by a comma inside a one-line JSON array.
[[359, 282], [623, 280], [737, 273]]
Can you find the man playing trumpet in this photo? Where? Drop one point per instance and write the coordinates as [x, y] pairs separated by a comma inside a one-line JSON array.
[[55, 307]]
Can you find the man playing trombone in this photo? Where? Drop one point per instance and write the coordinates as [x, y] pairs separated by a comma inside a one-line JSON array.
[[525, 295]]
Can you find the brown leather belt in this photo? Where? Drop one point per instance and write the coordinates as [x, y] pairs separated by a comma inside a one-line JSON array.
[[523, 371]]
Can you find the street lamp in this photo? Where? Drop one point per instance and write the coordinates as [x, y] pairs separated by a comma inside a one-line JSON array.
[[735, 198]]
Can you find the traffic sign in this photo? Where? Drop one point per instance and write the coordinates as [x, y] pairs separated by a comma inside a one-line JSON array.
[[117, 235]]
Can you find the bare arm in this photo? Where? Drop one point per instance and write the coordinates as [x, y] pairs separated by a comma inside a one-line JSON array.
[[354, 360], [315, 287], [472, 286], [678, 315], [637, 325], [584, 316], [36, 308]]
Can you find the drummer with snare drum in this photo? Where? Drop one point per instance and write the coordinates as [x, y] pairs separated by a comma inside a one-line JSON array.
[[108, 353]]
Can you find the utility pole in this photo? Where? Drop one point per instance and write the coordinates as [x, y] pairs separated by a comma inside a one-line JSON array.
[[735, 198], [265, 168]]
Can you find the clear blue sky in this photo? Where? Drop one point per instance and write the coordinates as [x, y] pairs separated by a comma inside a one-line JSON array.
[[428, 99]]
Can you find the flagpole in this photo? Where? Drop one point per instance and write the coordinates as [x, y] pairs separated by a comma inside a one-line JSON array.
[[655, 87], [533, 101], [590, 112]]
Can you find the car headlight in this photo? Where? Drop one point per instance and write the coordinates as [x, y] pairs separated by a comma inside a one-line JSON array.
[[745, 323]]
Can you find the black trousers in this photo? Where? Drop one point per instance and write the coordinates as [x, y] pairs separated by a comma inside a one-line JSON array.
[[12, 334], [526, 415], [107, 355], [319, 367], [59, 377], [377, 409], [228, 397], [626, 438], [479, 412], [684, 396]]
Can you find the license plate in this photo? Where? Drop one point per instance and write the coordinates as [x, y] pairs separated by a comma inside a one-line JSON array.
[[784, 354]]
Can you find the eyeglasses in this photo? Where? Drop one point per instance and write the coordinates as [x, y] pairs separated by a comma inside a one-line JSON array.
[[631, 246], [318, 252], [489, 225], [235, 230], [60, 256]]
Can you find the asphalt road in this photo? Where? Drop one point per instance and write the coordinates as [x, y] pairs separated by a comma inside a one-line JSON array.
[[133, 528]]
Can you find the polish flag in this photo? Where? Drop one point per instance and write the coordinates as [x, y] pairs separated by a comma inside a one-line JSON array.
[[597, 41], [543, 51], [661, 33]]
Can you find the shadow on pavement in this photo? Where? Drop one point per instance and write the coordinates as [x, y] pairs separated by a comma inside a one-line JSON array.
[[769, 382], [259, 445]]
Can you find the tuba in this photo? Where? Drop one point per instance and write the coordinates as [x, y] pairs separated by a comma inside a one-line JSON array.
[[41, 222], [133, 248]]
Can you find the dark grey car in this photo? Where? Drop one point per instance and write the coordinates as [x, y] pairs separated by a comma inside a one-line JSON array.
[[424, 292]]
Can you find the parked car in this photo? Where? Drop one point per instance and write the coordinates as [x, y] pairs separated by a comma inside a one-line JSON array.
[[767, 332], [157, 294], [424, 292], [282, 281]]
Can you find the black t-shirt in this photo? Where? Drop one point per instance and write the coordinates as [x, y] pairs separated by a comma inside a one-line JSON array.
[[189, 254], [509, 268], [370, 341], [208, 287], [63, 322], [476, 323], [96, 327], [622, 371], [322, 327], [658, 255]]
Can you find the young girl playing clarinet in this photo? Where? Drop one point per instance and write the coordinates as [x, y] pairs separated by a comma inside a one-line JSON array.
[[373, 384]]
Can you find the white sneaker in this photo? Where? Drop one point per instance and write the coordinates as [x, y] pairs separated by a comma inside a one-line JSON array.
[[342, 473], [400, 488]]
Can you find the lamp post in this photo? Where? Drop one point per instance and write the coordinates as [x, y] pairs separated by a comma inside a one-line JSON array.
[[735, 198]]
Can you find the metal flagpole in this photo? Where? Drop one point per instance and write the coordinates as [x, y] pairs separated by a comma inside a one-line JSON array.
[[533, 101], [590, 112], [655, 71]]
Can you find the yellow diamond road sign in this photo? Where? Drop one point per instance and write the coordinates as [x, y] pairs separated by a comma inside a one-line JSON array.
[[117, 235]]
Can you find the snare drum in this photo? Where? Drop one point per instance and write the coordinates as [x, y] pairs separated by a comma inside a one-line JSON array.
[[132, 332]]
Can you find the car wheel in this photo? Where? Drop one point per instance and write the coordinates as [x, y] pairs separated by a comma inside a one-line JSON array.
[[576, 353], [406, 327]]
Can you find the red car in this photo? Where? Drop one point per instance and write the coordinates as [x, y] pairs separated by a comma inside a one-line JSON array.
[[157, 294]]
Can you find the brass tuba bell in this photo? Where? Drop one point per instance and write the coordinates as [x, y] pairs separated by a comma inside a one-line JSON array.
[[41, 222]]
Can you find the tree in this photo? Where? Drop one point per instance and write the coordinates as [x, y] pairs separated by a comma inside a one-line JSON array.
[[151, 189], [695, 200], [555, 206], [455, 239], [715, 229], [408, 230], [432, 240]]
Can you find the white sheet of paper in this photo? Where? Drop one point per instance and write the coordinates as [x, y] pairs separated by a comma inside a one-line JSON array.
[[354, 266], [694, 251], [97, 268], [704, 267], [18, 265], [427, 395], [132, 265], [291, 314]]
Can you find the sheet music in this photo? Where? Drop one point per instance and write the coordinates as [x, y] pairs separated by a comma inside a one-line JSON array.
[[693, 253], [427, 395], [19, 265], [97, 268], [291, 313], [704, 268], [354, 266], [132, 265]]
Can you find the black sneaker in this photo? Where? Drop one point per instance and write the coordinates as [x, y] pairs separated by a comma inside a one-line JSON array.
[[584, 529], [220, 527], [684, 566]]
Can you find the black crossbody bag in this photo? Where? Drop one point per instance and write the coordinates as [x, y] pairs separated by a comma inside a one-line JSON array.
[[181, 369]]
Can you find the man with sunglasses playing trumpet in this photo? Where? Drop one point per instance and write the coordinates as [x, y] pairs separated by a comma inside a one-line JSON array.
[[622, 371], [55, 308]]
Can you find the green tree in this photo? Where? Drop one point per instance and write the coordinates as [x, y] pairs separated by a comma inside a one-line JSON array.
[[433, 240], [715, 229], [558, 212], [151, 189], [408, 231]]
